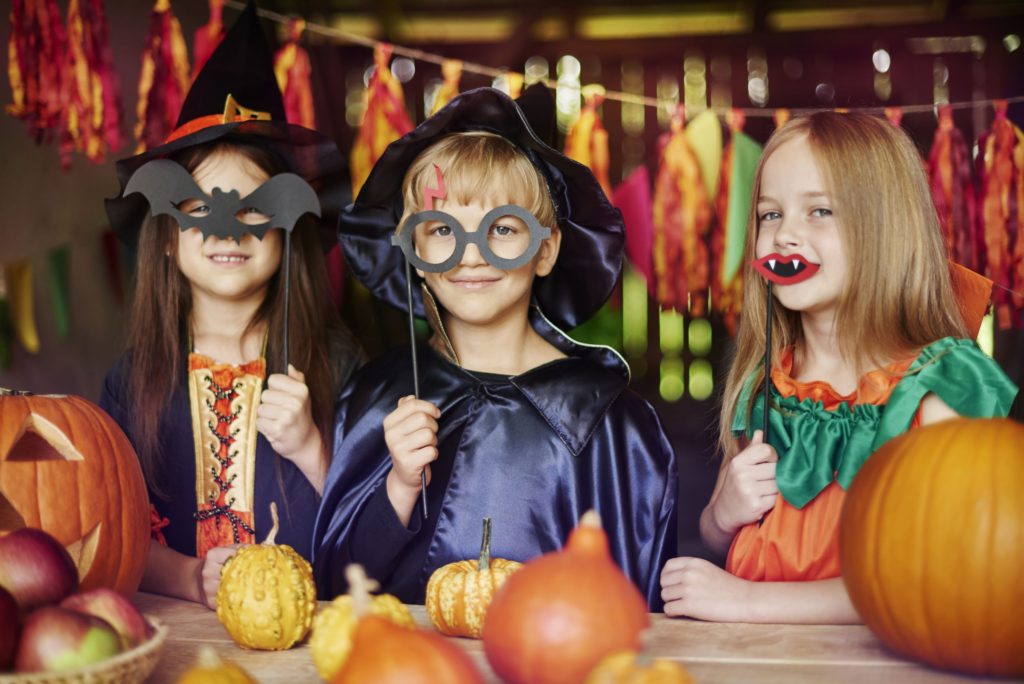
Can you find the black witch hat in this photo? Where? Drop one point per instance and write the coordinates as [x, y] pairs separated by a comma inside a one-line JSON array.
[[236, 94], [590, 259]]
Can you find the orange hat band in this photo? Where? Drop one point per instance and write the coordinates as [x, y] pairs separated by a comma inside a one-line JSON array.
[[233, 112]]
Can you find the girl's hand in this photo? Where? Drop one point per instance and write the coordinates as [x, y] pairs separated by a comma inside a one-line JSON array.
[[410, 431], [748, 488], [285, 417], [694, 587], [209, 573]]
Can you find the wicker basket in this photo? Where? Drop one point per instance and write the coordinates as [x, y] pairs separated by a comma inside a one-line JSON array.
[[130, 667]]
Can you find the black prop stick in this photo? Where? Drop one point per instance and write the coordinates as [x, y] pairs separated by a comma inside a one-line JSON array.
[[785, 270], [415, 370]]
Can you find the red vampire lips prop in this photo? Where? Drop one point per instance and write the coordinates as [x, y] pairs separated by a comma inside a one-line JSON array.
[[785, 270]]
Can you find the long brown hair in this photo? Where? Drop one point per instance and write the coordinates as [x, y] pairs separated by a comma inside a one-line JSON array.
[[898, 296], [162, 305]]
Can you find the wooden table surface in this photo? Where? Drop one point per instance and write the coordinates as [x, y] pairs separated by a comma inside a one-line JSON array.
[[712, 652]]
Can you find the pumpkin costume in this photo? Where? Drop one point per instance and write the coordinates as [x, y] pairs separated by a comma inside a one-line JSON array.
[[823, 438], [533, 451]]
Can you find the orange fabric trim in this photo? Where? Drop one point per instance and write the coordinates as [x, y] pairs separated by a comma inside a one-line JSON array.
[[228, 519], [795, 544]]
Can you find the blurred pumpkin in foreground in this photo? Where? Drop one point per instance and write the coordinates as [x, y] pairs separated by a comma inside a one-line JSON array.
[[386, 653], [555, 619]]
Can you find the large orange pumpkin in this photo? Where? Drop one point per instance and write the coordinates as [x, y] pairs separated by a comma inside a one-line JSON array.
[[932, 545], [67, 468], [557, 617]]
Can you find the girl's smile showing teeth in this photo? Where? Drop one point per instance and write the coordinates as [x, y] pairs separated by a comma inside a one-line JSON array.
[[228, 259]]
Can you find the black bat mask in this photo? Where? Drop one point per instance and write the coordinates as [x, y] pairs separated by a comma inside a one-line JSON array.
[[166, 185]]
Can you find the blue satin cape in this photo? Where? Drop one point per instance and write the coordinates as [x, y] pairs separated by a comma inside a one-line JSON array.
[[532, 453]]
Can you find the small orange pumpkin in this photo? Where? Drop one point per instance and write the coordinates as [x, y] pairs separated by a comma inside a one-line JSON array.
[[555, 619], [629, 667], [67, 468], [386, 653], [932, 545], [458, 594]]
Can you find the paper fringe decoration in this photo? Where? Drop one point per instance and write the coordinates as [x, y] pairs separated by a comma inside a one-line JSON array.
[[949, 175], [682, 216], [729, 236], [704, 134], [1001, 168], [164, 79], [293, 70], [587, 141], [451, 74], [35, 68], [384, 120], [633, 198], [92, 113], [207, 37], [18, 277], [59, 272]]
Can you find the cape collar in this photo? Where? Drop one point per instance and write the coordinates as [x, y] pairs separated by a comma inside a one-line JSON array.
[[571, 394]]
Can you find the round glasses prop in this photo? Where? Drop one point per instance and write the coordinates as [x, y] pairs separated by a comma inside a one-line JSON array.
[[435, 241]]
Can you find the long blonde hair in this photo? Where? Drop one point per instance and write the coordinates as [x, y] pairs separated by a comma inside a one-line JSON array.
[[898, 296]]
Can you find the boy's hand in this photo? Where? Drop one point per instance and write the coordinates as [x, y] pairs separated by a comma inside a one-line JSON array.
[[410, 431], [209, 572], [285, 414], [748, 489]]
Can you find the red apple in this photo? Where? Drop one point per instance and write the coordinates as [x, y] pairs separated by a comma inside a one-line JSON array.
[[55, 640], [36, 569], [8, 628], [113, 607]]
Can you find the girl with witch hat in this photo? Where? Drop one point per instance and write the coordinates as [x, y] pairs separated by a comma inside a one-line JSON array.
[[867, 341], [500, 414], [210, 390]]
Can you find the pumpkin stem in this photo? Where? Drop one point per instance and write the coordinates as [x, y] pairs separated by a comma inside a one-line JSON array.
[[208, 658], [269, 541], [591, 519], [485, 547], [359, 588]]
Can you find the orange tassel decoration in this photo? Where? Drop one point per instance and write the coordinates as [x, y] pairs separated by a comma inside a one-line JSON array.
[[949, 174], [451, 73], [92, 113], [385, 118], [164, 80], [293, 70], [1001, 166], [682, 217], [207, 37], [35, 51], [587, 141]]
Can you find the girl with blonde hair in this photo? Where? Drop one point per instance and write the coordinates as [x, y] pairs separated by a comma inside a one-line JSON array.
[[867, 341]]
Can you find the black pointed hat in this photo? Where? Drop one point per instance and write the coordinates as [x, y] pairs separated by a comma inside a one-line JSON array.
[[590, 259], [236, 94]]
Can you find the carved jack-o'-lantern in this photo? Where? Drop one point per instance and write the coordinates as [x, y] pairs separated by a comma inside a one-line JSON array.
[[67, 468]]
